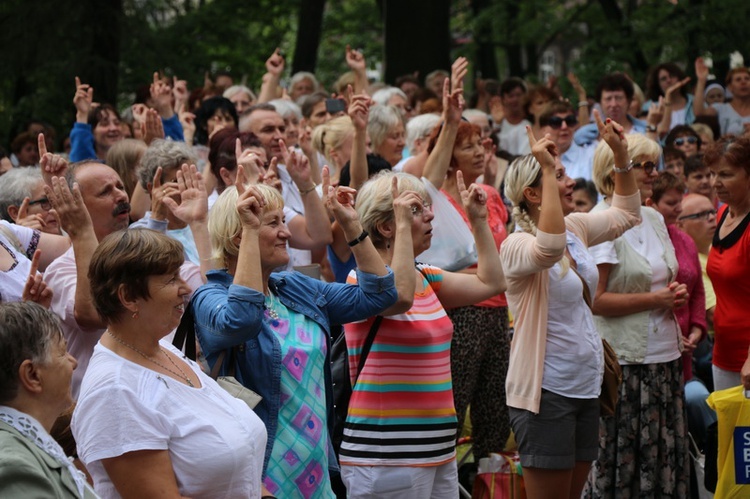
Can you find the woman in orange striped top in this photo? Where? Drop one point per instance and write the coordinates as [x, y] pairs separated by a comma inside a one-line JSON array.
[[399, 437]]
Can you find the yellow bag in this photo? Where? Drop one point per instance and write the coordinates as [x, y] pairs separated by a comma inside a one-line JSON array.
[[733, 411]]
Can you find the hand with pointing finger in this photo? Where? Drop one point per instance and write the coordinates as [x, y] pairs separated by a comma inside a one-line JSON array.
[[83, 100]]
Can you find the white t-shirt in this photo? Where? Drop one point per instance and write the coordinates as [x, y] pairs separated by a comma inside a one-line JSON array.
[[13, 280], [573, 361], [513, 138], [216, 442], [663, 343], [293, 201], [729, 120], [61, 277]]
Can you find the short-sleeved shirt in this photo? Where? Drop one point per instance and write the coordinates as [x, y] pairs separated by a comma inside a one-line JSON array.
[[729, 120], [13, 280]]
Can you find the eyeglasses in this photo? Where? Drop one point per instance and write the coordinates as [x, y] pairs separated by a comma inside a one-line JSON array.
[[417, 211], [556, 122], [42, 202], [701, 215], [690, 139], [648, 167]]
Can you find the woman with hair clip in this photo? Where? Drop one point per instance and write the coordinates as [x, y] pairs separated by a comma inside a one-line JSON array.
[[556, 361]]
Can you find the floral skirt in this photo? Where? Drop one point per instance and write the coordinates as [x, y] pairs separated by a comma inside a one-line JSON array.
[[643, 448]]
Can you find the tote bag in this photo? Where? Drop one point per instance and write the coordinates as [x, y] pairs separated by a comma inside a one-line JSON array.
[[733, 412]]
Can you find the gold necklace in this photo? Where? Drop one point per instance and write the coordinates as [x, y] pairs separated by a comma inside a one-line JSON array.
[[149, 358]]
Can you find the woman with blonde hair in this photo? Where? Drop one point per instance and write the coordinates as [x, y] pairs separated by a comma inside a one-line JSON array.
[[400, 431], [556, 360], [334, 141], [643, 449], [276, 326]]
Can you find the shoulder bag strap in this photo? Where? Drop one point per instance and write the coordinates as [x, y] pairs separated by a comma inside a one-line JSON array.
[[185, 334], [368, 345]]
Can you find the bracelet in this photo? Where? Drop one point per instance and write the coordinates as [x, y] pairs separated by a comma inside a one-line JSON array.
[[358, 240], [583, 104], [624, 170], [667, 104], [651, 128], [307, 191]]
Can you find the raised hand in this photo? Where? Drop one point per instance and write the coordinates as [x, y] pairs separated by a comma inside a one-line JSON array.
[[187, 120], [655, 112], [271, 177], [359, 108], [275, 63], [36, 289], [674, 88], [613, 134], [154, 128], [83, 100], [52, 165], [355, 59], [453, 103], [31, 221], [250, 207], [68, 207], [180, 94], [576, 84], [474, 199], [340, 202], [459, 68], [161, 96], [251, 162], [406, 205], [701, 69], [544, 149], [193, 205], [159, 192]]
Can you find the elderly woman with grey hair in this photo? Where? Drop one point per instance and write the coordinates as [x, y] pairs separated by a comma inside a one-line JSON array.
[[241, 96], [165, 175], [385, 126], [34, 212], [35, 375]]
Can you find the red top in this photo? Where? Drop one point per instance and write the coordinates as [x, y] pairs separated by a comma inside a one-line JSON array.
[[729, 269], [497, 217]]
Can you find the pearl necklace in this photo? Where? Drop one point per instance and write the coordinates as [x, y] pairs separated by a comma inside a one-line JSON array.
[[181, 374]]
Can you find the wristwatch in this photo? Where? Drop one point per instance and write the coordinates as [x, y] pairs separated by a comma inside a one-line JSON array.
[[624, 170], [651, 128]]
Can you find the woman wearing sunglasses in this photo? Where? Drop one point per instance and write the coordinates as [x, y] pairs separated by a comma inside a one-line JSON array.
[[560, 122], [643, 447], [685, 139]]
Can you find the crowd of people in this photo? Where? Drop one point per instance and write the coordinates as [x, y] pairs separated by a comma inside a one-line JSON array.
[[477, 253]]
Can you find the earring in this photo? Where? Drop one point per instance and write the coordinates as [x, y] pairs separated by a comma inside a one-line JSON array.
[[135, 315]]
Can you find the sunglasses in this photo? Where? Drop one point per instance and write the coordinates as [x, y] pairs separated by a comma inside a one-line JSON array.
[[42, 202], [556, 122], [682, 140], [698, 216], [648, 167]]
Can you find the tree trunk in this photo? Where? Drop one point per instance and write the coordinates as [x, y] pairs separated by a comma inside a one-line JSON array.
[[486, 61], [105, 18], [416, 42], [308, 35]]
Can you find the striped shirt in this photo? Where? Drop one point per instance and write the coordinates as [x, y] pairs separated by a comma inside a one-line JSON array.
[[401, 412]]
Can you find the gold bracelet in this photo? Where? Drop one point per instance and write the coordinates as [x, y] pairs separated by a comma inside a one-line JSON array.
[[307, 191]]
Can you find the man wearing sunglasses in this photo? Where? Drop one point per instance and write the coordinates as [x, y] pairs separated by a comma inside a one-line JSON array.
[[560, 122], [614, 94]]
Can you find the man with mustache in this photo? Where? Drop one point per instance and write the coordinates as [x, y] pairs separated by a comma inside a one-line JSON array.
[[107, 203]]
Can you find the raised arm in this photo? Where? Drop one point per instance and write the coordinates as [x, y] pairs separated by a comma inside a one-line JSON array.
[[356, 62], [274, 70], [699, 100], [359, 112], [583, 103], [75, 220], [406, 206], [161, 96], [317, 223], [250, 208], [340, 202], [460, 289], [438, 162]]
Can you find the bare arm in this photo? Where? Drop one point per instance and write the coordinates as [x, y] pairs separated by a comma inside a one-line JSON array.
[[610, 304], [143, 473], [438, 162], [75, 220], [699, 100], [248, 272], [583, 103], [356, 62], [274, 70], [359, 112]]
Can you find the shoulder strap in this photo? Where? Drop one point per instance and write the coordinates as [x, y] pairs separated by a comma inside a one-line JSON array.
[[368, 345], [12, 239], [586, 290], [185, 334]]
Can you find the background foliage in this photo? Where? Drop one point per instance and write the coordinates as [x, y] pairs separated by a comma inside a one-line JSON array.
[[117, 44]]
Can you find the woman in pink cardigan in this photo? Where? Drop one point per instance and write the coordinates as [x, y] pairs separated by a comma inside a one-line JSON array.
[[556, 360]]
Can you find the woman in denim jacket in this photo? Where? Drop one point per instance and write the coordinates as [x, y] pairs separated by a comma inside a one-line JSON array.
[[280, 323]]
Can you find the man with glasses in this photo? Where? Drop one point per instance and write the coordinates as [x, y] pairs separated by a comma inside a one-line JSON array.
[[698, 220], [560, 122], [16, 186]]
